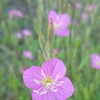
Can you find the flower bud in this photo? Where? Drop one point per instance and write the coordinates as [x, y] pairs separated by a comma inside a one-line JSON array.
[[42, 44], [41, 41], [50, 33]]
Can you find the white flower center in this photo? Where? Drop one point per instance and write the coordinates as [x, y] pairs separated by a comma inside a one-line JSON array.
[[58, 25]]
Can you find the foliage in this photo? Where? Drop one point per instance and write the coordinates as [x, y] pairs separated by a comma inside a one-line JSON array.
[[85, 41]]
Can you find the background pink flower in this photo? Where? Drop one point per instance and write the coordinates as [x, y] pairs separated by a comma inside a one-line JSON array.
[[56, 51], [84, 16], [17, 13], [78, 5], [28, 54], [95, 61], [75, 22], [11, 13], [18, 35], [91, 7], [23, 68], [26, 32], [60, 22], [49, 81]]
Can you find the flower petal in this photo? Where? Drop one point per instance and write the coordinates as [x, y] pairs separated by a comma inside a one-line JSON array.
[[54, 68], [95, 65], [65, 90], [32, 77], [48, 96], [62, 32], [35, 96], [64, 20], [52, 15], [95, 61], [95, 57]]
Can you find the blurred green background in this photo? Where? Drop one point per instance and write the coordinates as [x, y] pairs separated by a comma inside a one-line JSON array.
[[20, 22]]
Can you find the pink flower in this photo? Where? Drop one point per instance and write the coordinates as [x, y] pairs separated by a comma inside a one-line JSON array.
[[91, 7], [49, 81], [17, 13], [18, 35], [11, 13], [28, 54], [75, 22], [60, 22], [78, 5], [26, 32], [23, 69], [56, 51], [95, 61], [84, 16]]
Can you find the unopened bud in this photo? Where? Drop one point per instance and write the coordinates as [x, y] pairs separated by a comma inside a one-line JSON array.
[[41, 41], [50, 33], [42, 44], [69, 9]]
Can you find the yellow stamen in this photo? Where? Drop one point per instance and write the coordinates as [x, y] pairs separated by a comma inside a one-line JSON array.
[[99, 63], [47, 80], [56, 26]]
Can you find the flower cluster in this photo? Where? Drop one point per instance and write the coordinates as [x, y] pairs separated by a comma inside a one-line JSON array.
[[25, 32], [49, 82], [17, 13]]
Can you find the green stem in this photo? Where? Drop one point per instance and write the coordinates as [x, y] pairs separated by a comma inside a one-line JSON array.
[[65, 48], [93, 74], [70, 41], [64, 41], [62, 6]]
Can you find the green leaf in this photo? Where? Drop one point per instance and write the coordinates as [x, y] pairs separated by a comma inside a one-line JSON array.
[[84, 61]]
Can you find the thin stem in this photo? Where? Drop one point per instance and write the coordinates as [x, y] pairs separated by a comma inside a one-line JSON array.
[[92, 78], [70, 41], [93, 74], [64, 41], [65, 48], [62, 5]]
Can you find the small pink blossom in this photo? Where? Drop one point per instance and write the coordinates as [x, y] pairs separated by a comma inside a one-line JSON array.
[[60, 22], [26, 32], [49, 81], [95, 61], [56, 51], [78, 5], [91, 7], [84, 16], [11, 13], [28, 54], [23, 69], [18, 35], [17, 13], [75, 22]]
